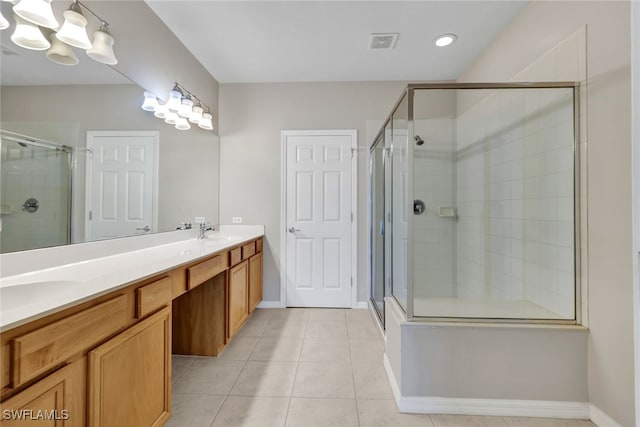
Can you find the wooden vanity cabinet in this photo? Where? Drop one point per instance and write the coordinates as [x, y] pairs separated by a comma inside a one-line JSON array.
[[255, 281], [129, 380], [58, 400], [107, 362], [238, 297]]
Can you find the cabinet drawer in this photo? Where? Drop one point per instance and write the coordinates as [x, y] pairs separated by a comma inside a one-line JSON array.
[[258, 245], [151, 297], [40, 350], [235, 256], [248, 250], [204, 271]]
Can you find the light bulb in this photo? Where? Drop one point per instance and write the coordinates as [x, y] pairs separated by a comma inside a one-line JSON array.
[[186, 108], [161, 111], [206, 122], [102, 48], [171, 118], [38, 12], [73, 31], [150, 102], [29, 36], [173, 104], [182, 124]]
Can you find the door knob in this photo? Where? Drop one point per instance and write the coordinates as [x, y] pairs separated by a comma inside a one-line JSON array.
[[293, 229], [146, 228]]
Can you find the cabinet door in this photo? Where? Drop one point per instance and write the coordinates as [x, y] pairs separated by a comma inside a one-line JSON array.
[[130, 376], [238, 296], [255, 281], [58, 400]]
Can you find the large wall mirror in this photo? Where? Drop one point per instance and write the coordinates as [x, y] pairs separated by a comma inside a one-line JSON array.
[[54, 121]]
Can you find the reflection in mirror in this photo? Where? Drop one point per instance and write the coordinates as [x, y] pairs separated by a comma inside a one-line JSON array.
[[68, 106]]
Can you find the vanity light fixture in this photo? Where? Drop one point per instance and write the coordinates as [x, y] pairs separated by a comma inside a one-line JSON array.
[[206, 122], [4, 24], [37, 12], [445, 40], [181, 108], [74, 30], [35, 17], [29, 36], [150, 102], [61, 53]]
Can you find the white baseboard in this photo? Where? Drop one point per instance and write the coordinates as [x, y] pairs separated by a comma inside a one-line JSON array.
[[599, 418], [496, 407], [270, 304], [362, 305]]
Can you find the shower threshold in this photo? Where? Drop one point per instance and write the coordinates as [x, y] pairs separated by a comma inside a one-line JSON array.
[[447, 307]]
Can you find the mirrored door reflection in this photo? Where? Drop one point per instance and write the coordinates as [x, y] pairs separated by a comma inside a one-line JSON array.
[[35, 189]]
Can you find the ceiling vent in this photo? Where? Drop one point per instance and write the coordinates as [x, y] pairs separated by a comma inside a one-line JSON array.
[[382, 41]]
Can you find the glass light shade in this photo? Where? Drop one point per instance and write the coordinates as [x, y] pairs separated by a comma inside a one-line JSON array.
[[161, 111], [182, 124], [173, 104], [29, 36], [73, 31], [61, 53], [206, 122], [38, 12], [171, 118], [102, 49], [150, 102], [186, 108], [4, 24], [196, 114]]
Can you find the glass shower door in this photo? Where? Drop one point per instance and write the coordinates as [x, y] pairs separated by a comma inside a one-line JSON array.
[[377, 230], [35, 191]]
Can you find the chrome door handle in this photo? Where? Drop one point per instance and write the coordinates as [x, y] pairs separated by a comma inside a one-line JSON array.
[[146, 228], [293, 229]]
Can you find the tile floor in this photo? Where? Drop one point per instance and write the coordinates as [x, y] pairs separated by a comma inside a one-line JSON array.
[[307, 368]]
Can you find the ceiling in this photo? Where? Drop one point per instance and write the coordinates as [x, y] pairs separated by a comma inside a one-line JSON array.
[[294, 41]]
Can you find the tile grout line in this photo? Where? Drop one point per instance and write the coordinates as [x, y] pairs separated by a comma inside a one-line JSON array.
[[295, 376]]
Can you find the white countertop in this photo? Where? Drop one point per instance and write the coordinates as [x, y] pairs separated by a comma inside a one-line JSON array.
[[31, 295]]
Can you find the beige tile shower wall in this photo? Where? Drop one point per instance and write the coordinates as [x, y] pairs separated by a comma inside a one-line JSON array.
[[434, 236], [515, 186]]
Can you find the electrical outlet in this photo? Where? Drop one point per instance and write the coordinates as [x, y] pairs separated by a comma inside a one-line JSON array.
[[199, 220], [237, 220]]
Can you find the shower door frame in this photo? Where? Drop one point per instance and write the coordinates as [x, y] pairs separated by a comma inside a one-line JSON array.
[[578, 216]]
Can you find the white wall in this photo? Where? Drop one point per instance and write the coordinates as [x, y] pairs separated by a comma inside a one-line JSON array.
[[608, 172], [253, 115]]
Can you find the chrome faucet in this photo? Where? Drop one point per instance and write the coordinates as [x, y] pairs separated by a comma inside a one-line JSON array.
[[204, 227]]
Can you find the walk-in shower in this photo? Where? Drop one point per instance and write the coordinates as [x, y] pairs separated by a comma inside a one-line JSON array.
[[473, 203], [35, 193]]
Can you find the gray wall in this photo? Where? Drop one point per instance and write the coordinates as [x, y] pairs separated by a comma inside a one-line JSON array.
[[151, 55], [609, 271], [188, 160], [253, 115]]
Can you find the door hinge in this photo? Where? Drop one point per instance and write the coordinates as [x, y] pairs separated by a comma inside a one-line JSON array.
[[352, 282], [351, 216], [90, 215]]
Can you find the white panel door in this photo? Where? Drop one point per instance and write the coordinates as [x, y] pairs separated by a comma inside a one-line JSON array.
[[121, 181], [318, 219]]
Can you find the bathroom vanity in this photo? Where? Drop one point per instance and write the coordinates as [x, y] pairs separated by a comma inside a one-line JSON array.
[[100, 355]]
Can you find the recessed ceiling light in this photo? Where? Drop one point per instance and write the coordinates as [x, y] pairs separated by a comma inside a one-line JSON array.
[[445, 40]]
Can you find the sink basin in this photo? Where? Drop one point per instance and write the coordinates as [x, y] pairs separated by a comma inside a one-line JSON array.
[[222, 237]]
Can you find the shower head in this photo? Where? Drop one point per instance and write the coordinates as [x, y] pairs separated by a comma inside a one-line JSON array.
[[419, 141]]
